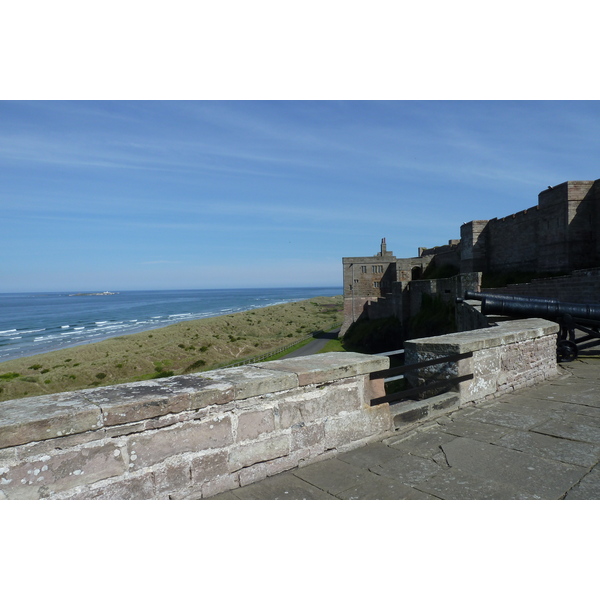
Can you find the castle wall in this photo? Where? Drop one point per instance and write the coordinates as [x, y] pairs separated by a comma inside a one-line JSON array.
[[582, 286], [448, 289], [512, 242], [473, 246], [557, 235], [582, 234], [412, 268], [391, 305]]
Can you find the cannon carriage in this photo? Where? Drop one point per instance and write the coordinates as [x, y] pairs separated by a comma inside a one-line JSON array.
[[570, 316]]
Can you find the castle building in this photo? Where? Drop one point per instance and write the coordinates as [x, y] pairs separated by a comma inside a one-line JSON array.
[[559, 235]]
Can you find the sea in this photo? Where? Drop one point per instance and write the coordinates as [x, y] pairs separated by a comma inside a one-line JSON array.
[[34, 323]]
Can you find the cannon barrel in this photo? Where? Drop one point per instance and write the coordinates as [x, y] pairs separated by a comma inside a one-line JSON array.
[[569, 315], [481, 296], [544, 309]]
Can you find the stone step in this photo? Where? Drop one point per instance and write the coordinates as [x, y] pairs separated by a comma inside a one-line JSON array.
[[410, 412]]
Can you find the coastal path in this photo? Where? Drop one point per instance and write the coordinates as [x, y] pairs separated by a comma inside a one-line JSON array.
[[315, 345], [539, 443]]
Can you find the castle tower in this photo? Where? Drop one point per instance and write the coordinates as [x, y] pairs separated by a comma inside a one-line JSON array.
[[366, 279]]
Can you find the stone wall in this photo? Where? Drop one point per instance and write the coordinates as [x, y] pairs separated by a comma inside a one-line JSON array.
[[512, 242], [507, 357], [189, 436], [448, 289], [581, 287], [469, 316]]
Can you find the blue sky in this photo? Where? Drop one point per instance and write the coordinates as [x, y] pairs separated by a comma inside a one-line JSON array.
[[117, 195]]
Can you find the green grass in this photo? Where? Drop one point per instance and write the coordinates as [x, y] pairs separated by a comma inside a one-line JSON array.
[[333, 346]]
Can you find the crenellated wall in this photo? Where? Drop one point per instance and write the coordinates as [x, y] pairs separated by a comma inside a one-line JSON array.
[[189, 436]]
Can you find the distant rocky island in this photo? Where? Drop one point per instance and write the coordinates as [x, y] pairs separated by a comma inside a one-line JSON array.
[[95, 294]]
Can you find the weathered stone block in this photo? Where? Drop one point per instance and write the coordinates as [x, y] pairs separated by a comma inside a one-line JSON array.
[[38, 478], [250, 381], [321, 402], [201, 390], [262, 470], [310, 436], [130, 487], [131, 402], [340, 431], [221, 484], [330, 366], [153, 447], [211, 465], [289, 413], [172, 476], [43, 417], [138, 401], [252, 424], [50, 446], [259, 451]]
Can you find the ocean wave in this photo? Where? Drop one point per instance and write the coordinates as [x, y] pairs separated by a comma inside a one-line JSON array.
[[65, 326], [45, 338], [101, 329], [9, 331]]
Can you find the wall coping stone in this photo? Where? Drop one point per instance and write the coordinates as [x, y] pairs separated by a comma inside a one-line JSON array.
[[509, 332], [26, 420], [320, 368]]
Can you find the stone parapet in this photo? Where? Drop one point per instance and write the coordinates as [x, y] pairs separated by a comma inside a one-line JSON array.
[[189, 436], [507, 357]]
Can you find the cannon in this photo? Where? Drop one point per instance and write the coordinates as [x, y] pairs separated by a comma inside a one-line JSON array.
[[570, 316]]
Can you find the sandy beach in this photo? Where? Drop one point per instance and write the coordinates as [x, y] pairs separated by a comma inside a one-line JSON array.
[[186, 347]]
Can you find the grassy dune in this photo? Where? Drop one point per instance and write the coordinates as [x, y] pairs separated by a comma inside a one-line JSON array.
[[186, 347]]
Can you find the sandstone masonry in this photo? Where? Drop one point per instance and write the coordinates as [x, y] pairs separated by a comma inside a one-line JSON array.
[[189, 436]]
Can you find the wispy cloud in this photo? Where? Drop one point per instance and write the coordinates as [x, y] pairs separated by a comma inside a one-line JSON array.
[[165, 185]]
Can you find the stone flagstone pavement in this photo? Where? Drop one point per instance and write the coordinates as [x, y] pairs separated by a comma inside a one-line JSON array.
[[538, 443]]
